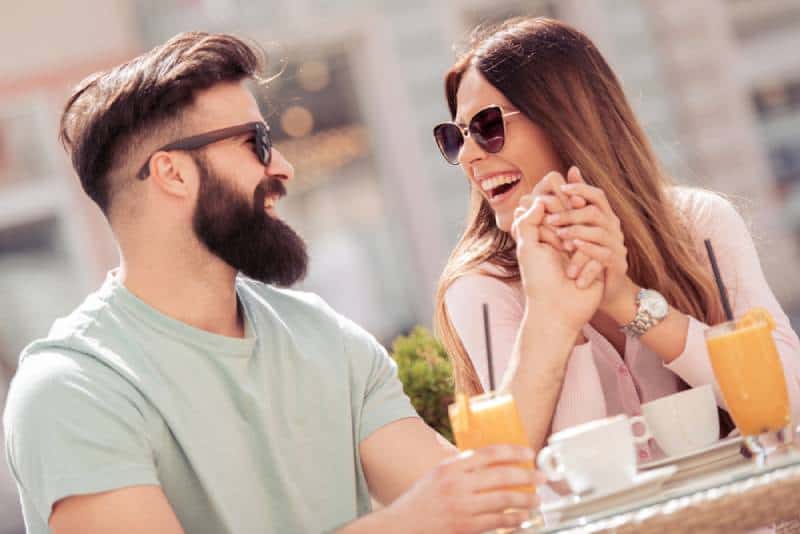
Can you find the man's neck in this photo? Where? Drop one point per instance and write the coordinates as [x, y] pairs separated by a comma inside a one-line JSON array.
[[201, 294]]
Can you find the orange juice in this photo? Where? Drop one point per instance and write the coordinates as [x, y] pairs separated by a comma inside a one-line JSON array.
[[488, 419], [749, 373]]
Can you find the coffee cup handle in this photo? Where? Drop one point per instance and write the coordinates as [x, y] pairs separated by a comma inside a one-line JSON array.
[[646, 436], [545, 462]]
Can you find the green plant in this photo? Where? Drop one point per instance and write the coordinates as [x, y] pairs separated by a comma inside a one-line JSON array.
[[427, 376]]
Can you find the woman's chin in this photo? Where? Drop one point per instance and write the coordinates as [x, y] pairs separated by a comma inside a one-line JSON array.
[[503, 221]]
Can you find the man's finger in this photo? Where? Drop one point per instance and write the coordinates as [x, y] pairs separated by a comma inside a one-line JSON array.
[[491, 522], [498, 501], [495, 454], [501, 476]]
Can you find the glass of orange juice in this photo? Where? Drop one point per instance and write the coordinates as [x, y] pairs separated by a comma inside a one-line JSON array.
[[750, 375], [488, 419]]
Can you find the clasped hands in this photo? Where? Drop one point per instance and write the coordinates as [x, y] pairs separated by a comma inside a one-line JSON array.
[[570, 248]]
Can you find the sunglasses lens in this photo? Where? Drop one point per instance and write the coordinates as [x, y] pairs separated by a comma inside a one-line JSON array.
[[264, 146], [487, 128], [450, 141]]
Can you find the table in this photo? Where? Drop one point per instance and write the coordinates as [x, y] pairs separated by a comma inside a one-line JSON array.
[[735, 499]]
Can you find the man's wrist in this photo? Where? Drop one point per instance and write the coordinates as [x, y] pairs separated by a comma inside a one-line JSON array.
[[383, 520], [540, 318]]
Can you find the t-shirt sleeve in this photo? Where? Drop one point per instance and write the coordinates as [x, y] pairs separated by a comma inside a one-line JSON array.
[[376, 386], [72, 427]]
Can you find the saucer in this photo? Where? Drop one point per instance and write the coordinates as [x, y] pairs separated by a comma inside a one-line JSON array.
[[727, 448], [644, 485]]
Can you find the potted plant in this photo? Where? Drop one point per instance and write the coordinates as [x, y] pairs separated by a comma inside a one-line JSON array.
[[427, 376]]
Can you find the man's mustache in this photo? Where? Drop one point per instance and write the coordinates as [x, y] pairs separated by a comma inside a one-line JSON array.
[[271, 185]]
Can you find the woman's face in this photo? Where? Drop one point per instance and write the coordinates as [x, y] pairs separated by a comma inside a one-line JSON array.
[[526, 157]]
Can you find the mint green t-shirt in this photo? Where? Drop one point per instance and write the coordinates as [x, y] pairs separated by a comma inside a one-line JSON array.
[[258, 434]]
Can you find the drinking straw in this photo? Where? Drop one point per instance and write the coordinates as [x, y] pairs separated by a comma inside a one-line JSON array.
[[488, 340], [722, 293]]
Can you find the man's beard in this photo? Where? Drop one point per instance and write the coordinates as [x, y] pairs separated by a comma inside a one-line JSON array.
[[243, 234]]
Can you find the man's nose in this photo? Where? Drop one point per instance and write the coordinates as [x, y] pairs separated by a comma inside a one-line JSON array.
[[279, 166]]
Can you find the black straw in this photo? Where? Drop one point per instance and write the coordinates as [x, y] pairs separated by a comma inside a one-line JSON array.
[[488, 339], [723, 294]]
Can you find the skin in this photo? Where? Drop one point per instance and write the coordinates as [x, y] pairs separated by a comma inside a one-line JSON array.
[[426, 485], [571, 254]]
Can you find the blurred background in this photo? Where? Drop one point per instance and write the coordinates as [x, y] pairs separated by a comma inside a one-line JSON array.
[[714, 83]]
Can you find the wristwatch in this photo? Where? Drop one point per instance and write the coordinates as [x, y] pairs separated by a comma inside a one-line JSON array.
[[652, 307]]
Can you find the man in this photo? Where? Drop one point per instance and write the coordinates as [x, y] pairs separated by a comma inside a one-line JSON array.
[[185, 397]]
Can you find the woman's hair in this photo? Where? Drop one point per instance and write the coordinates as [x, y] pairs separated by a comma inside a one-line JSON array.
[[558, 79]]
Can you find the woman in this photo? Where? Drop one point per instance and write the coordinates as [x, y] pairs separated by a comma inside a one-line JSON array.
[[571, 218]]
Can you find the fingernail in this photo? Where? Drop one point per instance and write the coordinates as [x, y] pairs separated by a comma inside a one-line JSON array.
[[572, 271], [562, 231], [552, 219], [569, 246], [582, 283]]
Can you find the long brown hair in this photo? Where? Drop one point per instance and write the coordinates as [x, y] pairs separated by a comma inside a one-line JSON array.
[[558, 79]]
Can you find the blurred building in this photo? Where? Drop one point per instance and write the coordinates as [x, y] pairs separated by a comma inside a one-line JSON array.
[[711, 81]]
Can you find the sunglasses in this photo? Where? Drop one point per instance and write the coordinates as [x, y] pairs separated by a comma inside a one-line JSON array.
[[262, 142], [487, 128]]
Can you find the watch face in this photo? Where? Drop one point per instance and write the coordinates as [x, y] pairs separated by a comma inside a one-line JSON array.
[[655, 304]]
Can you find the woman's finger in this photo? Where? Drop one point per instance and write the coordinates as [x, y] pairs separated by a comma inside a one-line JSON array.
[[590, 215], [551, 184], [594, 195], [601, 254], [589, 274], [551, 203], [593, 234], [574, 175], [576, 264], [548, 235]]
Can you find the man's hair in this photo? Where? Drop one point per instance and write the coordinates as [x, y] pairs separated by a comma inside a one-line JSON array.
[[114, 115]]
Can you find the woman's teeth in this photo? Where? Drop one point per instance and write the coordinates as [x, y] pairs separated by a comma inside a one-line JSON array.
[[269, 202], [492, 184]]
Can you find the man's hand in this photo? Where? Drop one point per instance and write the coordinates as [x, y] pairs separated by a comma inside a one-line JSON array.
[[466, 494], [543, 269]]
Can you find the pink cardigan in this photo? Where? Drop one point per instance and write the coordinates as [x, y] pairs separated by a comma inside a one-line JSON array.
[[599, 382]]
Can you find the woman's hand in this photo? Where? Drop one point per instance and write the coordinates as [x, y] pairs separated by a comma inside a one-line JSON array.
[[595, 231], [543, 269]]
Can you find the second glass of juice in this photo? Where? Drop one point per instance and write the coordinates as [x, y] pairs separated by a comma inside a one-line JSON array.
[[488, 419], [750, 375]]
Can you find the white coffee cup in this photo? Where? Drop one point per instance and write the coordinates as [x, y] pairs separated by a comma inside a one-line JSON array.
[[685, 421], [598, 455]]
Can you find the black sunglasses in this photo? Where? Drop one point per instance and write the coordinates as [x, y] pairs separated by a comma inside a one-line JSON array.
[[262, 142], [487, 127]]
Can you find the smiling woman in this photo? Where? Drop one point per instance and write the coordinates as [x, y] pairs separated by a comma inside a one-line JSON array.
[[575, 234]]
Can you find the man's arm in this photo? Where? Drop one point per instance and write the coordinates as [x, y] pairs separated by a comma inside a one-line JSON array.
[[429, 488], [130, 510], [397, 455]]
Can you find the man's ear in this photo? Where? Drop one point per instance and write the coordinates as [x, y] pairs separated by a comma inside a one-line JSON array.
[[172, 173]]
